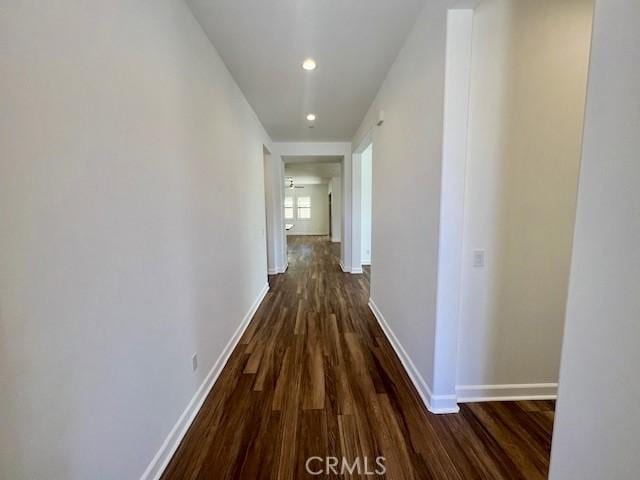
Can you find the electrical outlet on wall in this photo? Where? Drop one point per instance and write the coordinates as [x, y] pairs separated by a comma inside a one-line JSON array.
[[478, 258], [194, 362]]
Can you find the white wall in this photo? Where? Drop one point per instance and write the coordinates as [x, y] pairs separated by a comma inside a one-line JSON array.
[[318, 224], [127, 155], [366, 166], [528, 84], [406, 190], [597, 421]]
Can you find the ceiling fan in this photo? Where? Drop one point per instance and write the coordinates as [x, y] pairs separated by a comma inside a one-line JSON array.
[[291, 185]]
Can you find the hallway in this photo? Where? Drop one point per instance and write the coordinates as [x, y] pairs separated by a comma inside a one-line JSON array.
[[314, 376], [310, 239]]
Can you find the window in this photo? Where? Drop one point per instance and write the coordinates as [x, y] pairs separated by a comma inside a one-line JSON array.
[[304, 208], [288, 208]]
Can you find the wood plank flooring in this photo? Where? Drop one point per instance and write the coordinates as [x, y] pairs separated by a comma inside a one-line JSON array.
[[314, 375]]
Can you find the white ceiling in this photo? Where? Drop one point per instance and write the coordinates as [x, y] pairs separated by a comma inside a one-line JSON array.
[[263, 43], [311, 173]]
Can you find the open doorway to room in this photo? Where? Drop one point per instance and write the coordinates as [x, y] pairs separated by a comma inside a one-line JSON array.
[[268, 209], [311, 200], [329, 212], [516, 81], [366, 184], [528, 81], [362, 163]]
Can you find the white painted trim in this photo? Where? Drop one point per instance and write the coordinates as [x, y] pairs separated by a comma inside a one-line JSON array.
[[275, 271], [356, 208], [301, 149], [452, 198], [366, 263], [356, 201], [340, 149], [170, 445], [438, 404], [507, 392], [345, 268]]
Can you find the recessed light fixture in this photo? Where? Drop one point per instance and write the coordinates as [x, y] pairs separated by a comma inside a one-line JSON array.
[[309, 64], [311, 117]]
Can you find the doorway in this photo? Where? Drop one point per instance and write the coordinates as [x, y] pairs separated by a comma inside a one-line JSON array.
[[330, 217], [268, 213], [308, 195], [511, 150], [366, 185]]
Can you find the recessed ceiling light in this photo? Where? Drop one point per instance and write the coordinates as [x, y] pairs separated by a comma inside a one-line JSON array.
[[309, 64], [311, 117]]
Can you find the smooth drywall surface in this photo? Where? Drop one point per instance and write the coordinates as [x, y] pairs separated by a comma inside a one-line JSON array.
[[318, 224], [365, 204], [406, 187], [597, 421], [528, 86], [131, 232]]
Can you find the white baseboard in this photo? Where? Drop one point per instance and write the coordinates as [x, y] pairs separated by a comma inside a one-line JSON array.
[[507, 392], [171, 443], [366, 263], [438, 404], [335, 240], [347, 269], [277, 270]]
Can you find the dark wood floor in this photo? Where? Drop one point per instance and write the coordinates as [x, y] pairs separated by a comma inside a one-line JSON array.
[[314, 376]]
